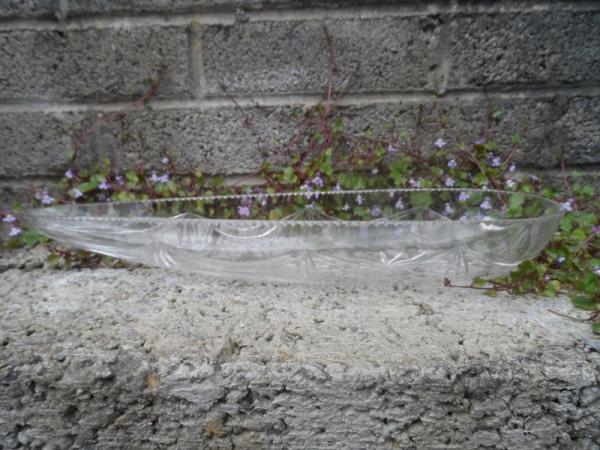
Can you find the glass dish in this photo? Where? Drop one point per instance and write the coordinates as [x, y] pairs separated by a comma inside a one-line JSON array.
[[388, 235]]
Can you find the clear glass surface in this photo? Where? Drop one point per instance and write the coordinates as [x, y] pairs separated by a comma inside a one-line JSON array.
[[390, 235]]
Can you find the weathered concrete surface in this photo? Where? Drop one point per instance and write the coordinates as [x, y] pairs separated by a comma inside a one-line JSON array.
[[292, 57], [72, 8], [92, 64], [144, 358], [516, 48], [229, 140]]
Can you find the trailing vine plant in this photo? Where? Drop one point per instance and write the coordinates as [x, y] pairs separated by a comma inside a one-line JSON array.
[[325, 154]]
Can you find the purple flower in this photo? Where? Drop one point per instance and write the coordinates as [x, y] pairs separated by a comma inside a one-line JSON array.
[[560, 259], [346, 207], [511, 183], [495, 161], [452, 164], [14, 231], [159, 179], [568, 205], [596, 229], [104, 186], [440, 143], [449, 182], [359, 199], [480, 141], [414, 184], [337, 187], [512, 167], [120, 180], [597, 270], [243, 211], [69, 174], [464, 196], [318, 181], [46, 198], [448, 210], [392, 149], [486, 204], [376, 211], [165, 160], [533, 177], [399, 204], [77, 193], [306, 187], [261, 199], [9, 218]]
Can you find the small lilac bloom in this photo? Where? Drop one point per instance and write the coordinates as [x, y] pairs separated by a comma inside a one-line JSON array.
[[560, 259], [159, 179], [47, 199], [310, 205], [318, 181], [464, 196], [120, 180], [165, 160], [14, 231], [486, 204], [376, 211], [414, 184], [533, 177], [597, 270], [448, 210], [495, 161], [440, 143], [512, 167], [511, 183], [77, 193], [449, 182], [9, 218], [399, 204], [243, 211], [568, 205], [69, 174], [596, 229], [346, 207], [392, 149], [359, 199], [337, 187], [308, 195], [452, 164], [104, 186]]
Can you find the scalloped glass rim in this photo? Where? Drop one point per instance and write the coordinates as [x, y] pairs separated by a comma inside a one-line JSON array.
[[372, 235]]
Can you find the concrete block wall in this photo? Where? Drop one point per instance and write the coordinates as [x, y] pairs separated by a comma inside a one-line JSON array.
[[66, 64]]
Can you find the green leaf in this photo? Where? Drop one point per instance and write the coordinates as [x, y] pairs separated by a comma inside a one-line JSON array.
[[479, 282], [289, 176], [584, 302], [132, 177], [88, 186], [53, 259], [32, 237], [421, 199], [69, 154]]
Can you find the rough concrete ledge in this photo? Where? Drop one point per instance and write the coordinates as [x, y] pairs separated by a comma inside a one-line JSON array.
[[145, 358]]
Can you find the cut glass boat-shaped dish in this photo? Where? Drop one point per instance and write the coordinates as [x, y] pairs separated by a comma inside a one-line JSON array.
[[389, 235]]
